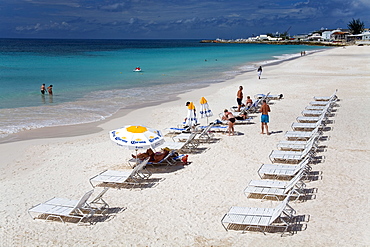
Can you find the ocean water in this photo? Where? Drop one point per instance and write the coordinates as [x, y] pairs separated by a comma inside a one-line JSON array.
[[93, 79]]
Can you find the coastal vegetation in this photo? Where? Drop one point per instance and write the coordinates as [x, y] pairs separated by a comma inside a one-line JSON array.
[[356, 26]]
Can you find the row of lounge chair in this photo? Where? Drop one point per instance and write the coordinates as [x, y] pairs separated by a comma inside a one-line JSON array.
[[82, 210], [284, 178]]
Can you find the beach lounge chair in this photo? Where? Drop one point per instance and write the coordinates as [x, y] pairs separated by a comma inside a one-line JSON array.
[[284, 171], [63, 209], [315, 107], [275, 188], [332, 97], [116, 178], [315, 113], [323, 103], [312, 119], [254, 108], [204, 136], [301, 135], [260, 218], [182, 147], [292, 156], [309, 126], [296, 145], [269, 97], [167, 160], [176, 130]]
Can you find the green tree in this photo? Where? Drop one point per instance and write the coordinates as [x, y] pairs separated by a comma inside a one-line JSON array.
[[356, 26]]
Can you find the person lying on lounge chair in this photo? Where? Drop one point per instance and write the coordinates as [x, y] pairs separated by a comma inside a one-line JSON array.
[[157, 156]]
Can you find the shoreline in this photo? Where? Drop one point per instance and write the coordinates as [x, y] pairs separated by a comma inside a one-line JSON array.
[[82, 129], [187, 203]]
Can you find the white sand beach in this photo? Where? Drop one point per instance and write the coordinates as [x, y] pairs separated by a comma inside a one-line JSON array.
[[186, 205]]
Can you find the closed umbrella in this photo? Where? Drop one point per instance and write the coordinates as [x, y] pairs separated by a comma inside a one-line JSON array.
[[191, 119], [205, 111]]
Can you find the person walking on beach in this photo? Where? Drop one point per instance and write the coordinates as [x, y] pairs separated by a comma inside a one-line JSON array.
[[265, 109], [239, 97], [259, 72], [50, 89], [43, 89]]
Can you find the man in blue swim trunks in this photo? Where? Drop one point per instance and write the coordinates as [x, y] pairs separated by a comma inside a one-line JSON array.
[[265, 109]]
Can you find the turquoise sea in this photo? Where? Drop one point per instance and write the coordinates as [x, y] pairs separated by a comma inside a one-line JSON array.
[[93, 79]]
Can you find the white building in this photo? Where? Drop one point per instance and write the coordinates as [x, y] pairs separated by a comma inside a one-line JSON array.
[[365, 38]]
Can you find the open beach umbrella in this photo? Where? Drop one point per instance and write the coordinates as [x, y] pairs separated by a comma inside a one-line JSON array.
[[205, 111], [191, 118], [137, 137]]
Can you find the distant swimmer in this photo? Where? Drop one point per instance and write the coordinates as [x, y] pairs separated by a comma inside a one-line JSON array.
[[50, 89], [43, 89]]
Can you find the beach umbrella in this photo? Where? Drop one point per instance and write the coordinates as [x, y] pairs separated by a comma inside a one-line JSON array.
[[137, 137], [205, 111], [191, 118]]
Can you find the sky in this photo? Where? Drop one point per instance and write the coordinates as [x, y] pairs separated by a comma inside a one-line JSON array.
[[174, 19]]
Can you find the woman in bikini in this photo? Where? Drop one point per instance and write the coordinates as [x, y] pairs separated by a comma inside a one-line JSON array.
[[231, 119]]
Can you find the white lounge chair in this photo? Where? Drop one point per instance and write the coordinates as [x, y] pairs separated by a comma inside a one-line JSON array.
[[313, 113], [332, 97], [323, 103], [62, 209], [315, 107], [260, 218], [182, 147], [284, 171], [167, 160], [176, 130], [250, 109], [296, 145], [108, 178], [312, 119], [269, 97], [292, 156], [238, 119], [204, 135], [276, 188], [301, 135], [309, 126]]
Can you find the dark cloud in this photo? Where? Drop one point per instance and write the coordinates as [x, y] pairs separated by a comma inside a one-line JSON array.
[[173, 18]]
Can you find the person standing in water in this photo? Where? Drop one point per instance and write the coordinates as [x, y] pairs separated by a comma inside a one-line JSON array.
[[43, 89], [50, 89], [259, 72]]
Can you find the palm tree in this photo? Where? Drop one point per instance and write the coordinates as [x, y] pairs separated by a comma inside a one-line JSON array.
[[356, 26]]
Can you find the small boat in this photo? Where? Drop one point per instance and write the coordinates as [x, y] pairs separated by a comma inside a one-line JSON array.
[[137, 69]]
